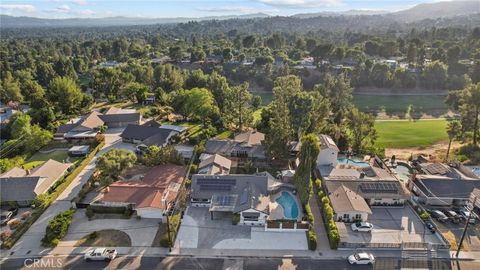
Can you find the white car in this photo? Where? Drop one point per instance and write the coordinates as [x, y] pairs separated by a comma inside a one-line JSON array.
[[362, 227], [361, 258], [100, 254]]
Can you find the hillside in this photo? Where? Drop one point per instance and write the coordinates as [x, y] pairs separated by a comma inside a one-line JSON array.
[[437, 10]]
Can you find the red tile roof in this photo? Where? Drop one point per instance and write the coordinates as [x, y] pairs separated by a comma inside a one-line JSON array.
[[149, 191]]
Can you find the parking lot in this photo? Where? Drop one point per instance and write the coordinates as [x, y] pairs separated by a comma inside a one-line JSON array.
[[199, 231], [393, 226]]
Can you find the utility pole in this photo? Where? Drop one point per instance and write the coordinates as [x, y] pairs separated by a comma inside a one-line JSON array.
[[466, 226]]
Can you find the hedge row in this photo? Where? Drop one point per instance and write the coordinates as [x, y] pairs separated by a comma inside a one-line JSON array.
[[174, 221], [46, 200], [327, 214], [57, 228], [312, 239]]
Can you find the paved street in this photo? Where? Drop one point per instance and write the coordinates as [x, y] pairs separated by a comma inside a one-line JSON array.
[[30, 242], [187, 263]]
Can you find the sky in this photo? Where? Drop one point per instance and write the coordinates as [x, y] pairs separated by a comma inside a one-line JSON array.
[[189, 8]]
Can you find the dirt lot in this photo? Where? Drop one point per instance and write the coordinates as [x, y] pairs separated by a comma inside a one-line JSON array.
[[436, 152]]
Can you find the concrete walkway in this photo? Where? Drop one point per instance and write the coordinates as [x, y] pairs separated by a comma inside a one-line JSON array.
[[323, 244]]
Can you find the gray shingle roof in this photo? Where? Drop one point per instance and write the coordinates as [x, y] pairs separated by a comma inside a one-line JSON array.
[[447, 188], [120, 117]]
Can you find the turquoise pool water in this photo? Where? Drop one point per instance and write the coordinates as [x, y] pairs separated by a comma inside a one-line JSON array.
[[352, 162], [289, 205]]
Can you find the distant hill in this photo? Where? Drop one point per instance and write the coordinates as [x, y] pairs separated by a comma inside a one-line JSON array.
[[437, 10], [352, 12], [11, 21]]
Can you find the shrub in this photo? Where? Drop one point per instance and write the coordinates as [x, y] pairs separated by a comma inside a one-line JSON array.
[[5, 234], [13, 223], [235, 219], [312, 239], [424, 215], [318, 184], [188, 183], [57, 228], [93, 235], [89, 212], [309, 213], [25, 215]]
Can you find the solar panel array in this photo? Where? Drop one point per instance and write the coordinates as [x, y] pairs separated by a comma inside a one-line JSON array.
[[244, 197], [378, 188], [214, 184], [436, 168], [224, 200]]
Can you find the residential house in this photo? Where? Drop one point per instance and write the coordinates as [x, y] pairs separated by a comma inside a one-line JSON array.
[[245, 195], [151, 195], [82, 129], [244, 147], [145, 136], [349, 206], [353, 189], [215, 165], [116, 117], [22, 187], [441, 184]]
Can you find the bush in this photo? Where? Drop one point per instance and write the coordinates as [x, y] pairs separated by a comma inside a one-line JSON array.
[[309, 213], [25, 215], [471, 151], [13, 223], [312, 239], [57, 228], [93, 235], [424, 215], [318, 184], [235, 219], [89, 212], [5, 234], [330, 226]]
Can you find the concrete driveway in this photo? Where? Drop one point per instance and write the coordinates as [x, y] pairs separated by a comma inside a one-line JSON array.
[[30, 242], [394, 225], [140, 231], [199, 231]]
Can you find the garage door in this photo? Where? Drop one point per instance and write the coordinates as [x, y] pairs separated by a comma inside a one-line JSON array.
[[149, 213]]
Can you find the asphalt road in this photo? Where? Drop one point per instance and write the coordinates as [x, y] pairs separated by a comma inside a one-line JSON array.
[[187, 263]]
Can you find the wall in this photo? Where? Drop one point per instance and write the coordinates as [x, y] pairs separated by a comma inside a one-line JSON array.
[[261, 219], [339, 216], [327, 157], [150, 212]]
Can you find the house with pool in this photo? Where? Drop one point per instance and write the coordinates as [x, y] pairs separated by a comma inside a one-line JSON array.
[[256, 198], [354, 186]]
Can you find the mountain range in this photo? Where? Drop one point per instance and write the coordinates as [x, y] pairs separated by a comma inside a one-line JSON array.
[[417, 13]]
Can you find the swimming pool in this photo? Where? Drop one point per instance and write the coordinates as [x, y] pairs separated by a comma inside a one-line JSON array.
[[353, 162], [289, 205], [403, 172]]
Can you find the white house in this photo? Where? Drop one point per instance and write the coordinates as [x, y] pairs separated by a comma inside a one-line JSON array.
[[328, 151], [348, 205]]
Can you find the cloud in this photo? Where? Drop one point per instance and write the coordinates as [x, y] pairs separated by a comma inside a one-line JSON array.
[[9, 8], [63, 9], [80, 2], [86, 12], [301, 3]]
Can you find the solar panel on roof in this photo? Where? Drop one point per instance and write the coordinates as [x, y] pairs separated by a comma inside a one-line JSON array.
[[216, 187], [214, 181], [379, 188], [244, 197]]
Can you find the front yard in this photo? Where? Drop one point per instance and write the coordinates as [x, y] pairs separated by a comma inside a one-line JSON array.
[[105, 238]]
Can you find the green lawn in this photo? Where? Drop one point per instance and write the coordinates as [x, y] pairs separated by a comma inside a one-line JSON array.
[[402, 134], [399, 104], [39, 158]]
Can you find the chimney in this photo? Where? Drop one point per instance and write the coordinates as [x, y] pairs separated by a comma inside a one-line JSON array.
[[362, 175]]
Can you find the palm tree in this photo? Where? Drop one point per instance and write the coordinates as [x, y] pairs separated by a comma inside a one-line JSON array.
[[452, 130]]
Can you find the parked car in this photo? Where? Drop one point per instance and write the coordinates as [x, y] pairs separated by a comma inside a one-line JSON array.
[[14, 211], [361, 258], [362, 227], [454, 217], [438, 215], [430, 226], [465, 213], [100, 254], [5, 216]]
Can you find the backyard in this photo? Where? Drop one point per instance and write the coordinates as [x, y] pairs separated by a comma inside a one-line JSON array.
[[404, 134]]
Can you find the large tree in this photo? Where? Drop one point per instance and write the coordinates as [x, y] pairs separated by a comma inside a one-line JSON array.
[[469, 105], [196, 103], [10, 89], [115, 161], [307, 156], [362, 131], [64, 93], [281, 130], [238, 110], [453, 129]]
